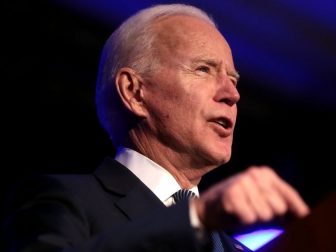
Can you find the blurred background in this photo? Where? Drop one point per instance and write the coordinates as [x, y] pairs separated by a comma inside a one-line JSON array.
[[285, 52]]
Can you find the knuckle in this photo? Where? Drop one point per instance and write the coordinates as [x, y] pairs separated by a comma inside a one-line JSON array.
[[234, 191], [253, 170], [281, 209], [249, 218], [266, 215]]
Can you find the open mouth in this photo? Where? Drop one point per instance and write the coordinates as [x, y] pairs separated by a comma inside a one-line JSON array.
[[224, 122]]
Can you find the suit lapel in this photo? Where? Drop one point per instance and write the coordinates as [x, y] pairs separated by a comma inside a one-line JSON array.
[[135, 198]]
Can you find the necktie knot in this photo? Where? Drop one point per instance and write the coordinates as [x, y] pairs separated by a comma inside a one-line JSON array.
[[183, 194]]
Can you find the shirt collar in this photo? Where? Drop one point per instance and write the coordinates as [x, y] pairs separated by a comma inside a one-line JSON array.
[[154, 176]]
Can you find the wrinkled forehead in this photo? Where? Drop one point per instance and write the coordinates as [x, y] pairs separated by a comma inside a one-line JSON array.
[[187, 36]]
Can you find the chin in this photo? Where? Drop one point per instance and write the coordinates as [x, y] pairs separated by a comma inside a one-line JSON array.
[[224, 160], [219, 158], [222, 155], [215, 153]]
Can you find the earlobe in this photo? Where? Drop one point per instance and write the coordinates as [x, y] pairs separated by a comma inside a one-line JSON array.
[[129, 86]]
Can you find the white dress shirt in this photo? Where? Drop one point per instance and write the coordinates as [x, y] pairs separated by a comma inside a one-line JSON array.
[[156, 178]]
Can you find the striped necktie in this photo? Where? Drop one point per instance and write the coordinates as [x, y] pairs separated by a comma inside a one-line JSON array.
[[185, 194]]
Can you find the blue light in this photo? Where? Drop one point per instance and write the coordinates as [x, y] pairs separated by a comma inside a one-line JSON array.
[[258, 238]]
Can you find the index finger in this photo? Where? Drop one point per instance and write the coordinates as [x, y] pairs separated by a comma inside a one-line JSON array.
[[295, 202]]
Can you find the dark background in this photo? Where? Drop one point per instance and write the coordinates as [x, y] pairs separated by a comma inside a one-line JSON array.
[[285, 53]]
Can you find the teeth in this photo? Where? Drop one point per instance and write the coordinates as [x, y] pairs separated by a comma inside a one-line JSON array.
[[223, 123]]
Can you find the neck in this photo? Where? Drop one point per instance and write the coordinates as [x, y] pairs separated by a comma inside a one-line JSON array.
[[180, 165]]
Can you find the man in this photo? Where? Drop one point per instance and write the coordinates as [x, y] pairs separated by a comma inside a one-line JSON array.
[[167, 96]]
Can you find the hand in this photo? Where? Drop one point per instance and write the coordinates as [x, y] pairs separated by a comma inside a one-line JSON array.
[[255, 195]]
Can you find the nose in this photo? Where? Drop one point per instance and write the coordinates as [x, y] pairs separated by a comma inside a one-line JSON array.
[[227, 92]]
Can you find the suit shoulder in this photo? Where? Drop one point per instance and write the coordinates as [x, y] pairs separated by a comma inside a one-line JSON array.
[[39, 186]]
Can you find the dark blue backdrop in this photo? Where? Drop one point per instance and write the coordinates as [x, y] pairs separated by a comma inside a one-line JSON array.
[[285, 52]]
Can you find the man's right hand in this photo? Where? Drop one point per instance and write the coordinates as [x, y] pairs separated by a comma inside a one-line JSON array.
[[255, 195]]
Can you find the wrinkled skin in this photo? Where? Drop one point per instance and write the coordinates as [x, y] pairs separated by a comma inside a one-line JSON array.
[[188, 109]]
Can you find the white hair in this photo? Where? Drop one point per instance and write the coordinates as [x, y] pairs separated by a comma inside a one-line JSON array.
[[131, 45]]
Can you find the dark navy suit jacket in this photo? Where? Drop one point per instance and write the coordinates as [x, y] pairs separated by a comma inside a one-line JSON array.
[[108, 210]]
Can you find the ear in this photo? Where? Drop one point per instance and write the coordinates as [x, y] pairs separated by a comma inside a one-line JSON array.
[[129, 86]]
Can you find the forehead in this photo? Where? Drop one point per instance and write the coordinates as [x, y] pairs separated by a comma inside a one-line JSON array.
[[186, 36]]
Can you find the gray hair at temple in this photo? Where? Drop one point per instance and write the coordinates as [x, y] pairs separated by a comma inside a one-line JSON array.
[[131, 45]]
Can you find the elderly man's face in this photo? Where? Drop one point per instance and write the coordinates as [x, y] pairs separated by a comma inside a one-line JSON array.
[[192, 97]]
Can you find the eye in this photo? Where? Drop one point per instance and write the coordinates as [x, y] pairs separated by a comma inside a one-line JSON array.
[[234, 77], [234, 81], [204, 69]]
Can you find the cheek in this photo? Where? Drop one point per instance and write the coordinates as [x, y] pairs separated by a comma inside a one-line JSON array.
[[235, 113], [180, 117], [174, 105], [165, 111]]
